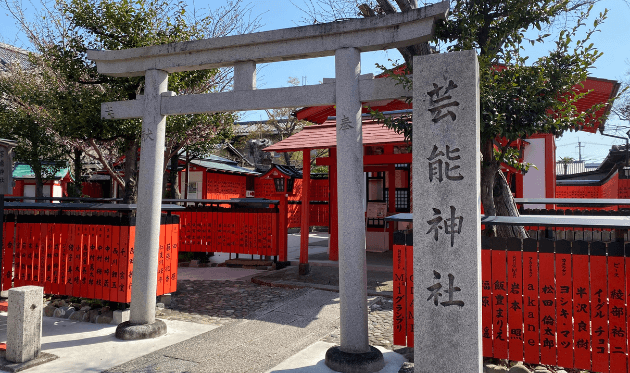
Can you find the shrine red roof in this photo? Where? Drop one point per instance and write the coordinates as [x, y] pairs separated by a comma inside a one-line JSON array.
[[325, 136], [602, 91]]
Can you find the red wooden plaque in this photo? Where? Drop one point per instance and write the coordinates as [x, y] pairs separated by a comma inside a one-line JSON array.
[[564, 303], [132, 241], [599, 307], [115, 261], [400, 293], [515, 298], [530, 301], [123, 273], [486, 297], [499, 298], [547, 295], [174, 256], [618, 330], [409, 279], [7, 255], [107, 265]]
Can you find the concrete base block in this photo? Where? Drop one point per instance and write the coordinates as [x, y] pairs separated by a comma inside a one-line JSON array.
[[24, 324], [120, 316], [127, 331], [165, 299], [346, 362], [8, 366], [304, 269]]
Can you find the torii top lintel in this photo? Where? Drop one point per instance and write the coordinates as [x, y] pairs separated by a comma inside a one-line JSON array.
[[368, 34]]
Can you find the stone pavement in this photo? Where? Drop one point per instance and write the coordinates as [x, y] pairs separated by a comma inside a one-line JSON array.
[[261, 314], [269, 337]]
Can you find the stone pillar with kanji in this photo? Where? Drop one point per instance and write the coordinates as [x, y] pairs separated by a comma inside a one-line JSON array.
[[446, 213]]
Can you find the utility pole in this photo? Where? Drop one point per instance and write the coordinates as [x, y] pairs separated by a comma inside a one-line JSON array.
[[579, 146]]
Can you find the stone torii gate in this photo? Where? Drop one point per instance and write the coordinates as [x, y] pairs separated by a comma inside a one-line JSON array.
[[345, 40]]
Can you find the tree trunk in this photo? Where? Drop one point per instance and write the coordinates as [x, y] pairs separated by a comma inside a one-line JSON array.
[[489, 168], [77, 185], [131, 171], [505, 206], [287, 158], [39, 181], [174, 180]]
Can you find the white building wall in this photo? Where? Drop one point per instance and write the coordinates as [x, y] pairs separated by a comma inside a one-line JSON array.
[[534, 179], [57, 191]]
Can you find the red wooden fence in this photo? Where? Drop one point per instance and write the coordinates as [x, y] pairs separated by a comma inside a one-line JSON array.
[[318, 215], [543, 302], [229, 230], [88, 255]]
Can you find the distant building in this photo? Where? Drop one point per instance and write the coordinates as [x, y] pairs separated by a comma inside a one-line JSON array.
[[10, 55], [574, 167], [24, 178], [611, 179]]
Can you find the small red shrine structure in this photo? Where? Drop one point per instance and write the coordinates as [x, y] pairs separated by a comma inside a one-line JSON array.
[[385, 158]]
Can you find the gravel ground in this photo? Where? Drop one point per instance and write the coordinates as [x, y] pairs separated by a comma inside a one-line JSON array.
[[220, 302]]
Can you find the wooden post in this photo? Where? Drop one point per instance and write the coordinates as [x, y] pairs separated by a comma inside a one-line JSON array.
[[304, 230], [333, 222]]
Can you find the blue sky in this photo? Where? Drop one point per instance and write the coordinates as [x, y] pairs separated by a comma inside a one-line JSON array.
[[276, 14]]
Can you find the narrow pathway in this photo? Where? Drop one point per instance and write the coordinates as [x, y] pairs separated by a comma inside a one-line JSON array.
[[253, 345]]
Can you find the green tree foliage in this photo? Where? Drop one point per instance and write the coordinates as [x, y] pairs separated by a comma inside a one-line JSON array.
[[64, 33], [24, 119], [519, 98]]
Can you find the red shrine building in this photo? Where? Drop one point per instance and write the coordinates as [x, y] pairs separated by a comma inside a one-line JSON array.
[[387, 162], [538, 149]]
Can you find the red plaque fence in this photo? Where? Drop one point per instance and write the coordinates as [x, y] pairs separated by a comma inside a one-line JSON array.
[[82, 254], [318, 214], [229, 230], [548, 302]]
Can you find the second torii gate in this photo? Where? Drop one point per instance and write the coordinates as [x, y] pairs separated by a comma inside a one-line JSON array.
[[345, 40]]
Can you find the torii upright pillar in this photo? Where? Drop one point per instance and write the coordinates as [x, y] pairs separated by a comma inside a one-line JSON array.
[[354, 345], [142, 322]]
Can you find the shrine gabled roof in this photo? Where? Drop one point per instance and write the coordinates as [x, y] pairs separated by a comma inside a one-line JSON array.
[[289, 171], [223, 167], [325, 136], [24, 171], [601, 90]]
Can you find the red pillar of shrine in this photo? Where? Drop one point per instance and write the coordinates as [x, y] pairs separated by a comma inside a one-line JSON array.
[[304, 229], [333, 228]]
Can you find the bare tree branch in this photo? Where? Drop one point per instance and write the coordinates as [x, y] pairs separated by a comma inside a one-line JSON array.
[[386, 6], [105, 164]]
